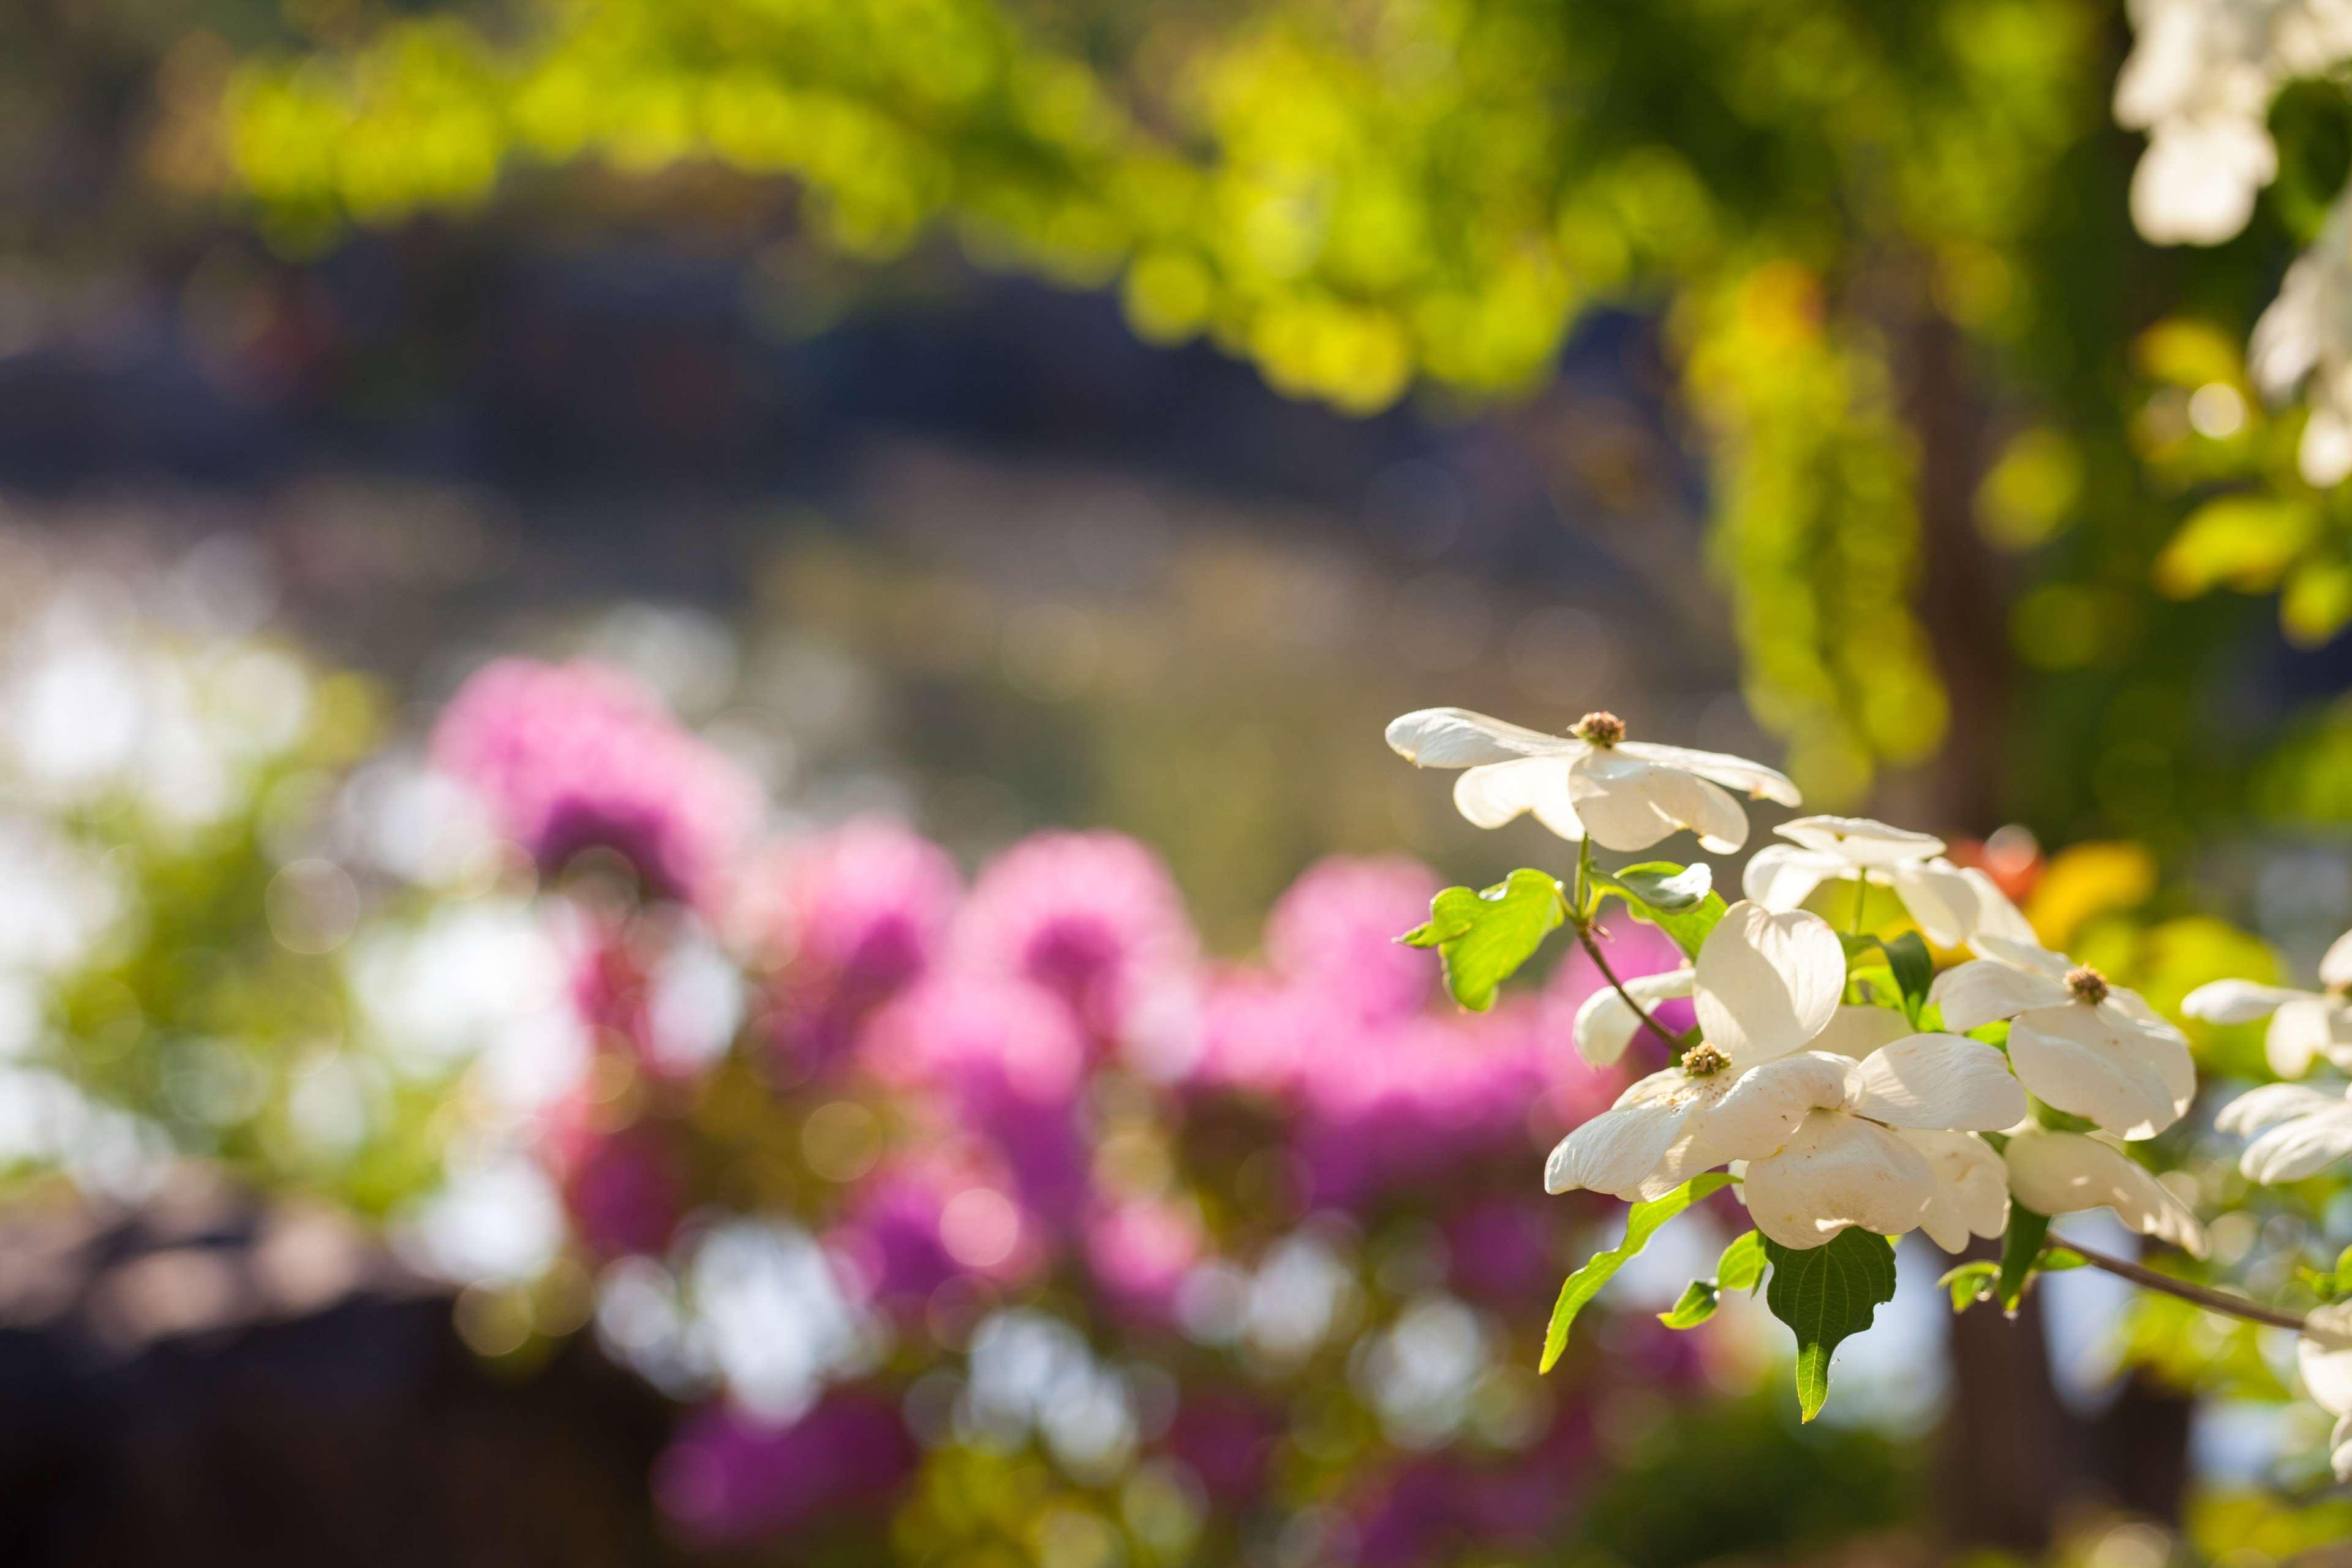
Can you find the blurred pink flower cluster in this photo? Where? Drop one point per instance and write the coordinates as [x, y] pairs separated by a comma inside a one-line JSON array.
[[1037, 1088]]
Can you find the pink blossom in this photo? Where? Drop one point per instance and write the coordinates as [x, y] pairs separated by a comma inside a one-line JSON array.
[[574, 755], [900, 1240], [1139, 1251], [623, 1187], [727, 1478], [1335, 932], [1092, 917], [855, 915]]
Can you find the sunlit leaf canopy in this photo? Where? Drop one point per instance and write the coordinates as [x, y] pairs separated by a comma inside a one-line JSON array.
[[1889, 245]]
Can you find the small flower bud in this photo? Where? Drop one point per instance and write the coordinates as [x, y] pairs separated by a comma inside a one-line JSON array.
[[1600, 729], [1703, 1060], [2088, 984]]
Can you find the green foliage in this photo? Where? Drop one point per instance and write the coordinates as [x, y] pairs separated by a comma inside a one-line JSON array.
[[1826, 1294], [2020, 1249], [1659, 887], [1970, 1283], [1740, 1267], [1484, 937], [1642, 1221]]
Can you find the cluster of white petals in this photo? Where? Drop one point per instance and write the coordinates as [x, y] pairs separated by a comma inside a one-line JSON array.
[[2324, 1356], [2304, 1025], [1626, 794], [2066, 1173], [2200, 82], [1952, 904], [2296, 1131], [2087, 1047], [1829, 1140]]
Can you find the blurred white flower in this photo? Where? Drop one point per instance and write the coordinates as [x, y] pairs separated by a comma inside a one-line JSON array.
[[1951, 903], [2086, 1047], [2323, 1356], [2296, 1131], [2304, 1025], [2303, 340], [1627, 795], [2066, 1173]]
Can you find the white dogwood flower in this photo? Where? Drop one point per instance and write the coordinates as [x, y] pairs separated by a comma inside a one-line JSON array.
[[2296, 1131], [2066, 1173], [1951, 903], [2303, 1024], [2086, 1047], [1971, 1193], [1627, 794], [2324, 1356], [1815, 1128]]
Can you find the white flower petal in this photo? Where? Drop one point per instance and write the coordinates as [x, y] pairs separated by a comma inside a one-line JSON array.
[[1605, 1025], [1938, 1081], [2074, 1057], [1859, 841], [2066, 1173], [1629, 804], [1838, 1170], [1617, 1150], [1767, 982], [1760, 1109], [1856, 1030], [1972, 1194], [2127, 1009], [1494, 793], [2335, 963], [2304, 1028], [2323, 1352], [2271, 1104], [1458, 738], [2299, 1148], [2031, 957], [1996, 916], [1984, 990], [2236, 1000], [1782, 876], [1941, 898], [1752, 778]]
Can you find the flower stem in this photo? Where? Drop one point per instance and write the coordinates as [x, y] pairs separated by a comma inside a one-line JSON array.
[[1584, 935], [2211, 1301]]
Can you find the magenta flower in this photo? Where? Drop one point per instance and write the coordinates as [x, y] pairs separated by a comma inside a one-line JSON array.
[[727, 1479], [1001, 1058], [920, 1220], [1092, 917], [1335, 932], [1227, 1441], [855, 915], [577, 755], [623, 1187], [1500, 1249], [1261, 1035], [1417, 1098], [1139, 1251]]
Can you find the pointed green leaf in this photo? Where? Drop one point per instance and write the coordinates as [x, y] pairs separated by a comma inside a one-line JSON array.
[[1693, 1307], [1970, 1282], [1689, 926], [1914, 970], [2057, 1259], [1483, 937], [1824, 1294], [1741, 1266], [1658, 885], [1642, 1221], [2018, 1249]]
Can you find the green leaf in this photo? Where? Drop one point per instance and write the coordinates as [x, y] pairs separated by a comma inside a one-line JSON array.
[[1970, 1282], [1642, 1222], [1659, 884], [2018, 1249], [1824, 1294], [1688, 927], [1695, 1306], [1914, 970], [1741, 1266], [2056, 1259], [2242, 541], [1483, 937]]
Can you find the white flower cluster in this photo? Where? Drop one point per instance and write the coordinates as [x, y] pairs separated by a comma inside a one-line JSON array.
[[2296, 1131], [1834, 1114], [2200, 82]]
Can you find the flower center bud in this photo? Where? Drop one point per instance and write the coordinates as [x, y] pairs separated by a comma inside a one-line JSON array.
[[2088, 984], [1600, 729], [1703, 1060]]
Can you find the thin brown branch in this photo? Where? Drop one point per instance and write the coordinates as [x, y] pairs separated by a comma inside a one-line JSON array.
[[1584, 935], [2221, 1302]]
